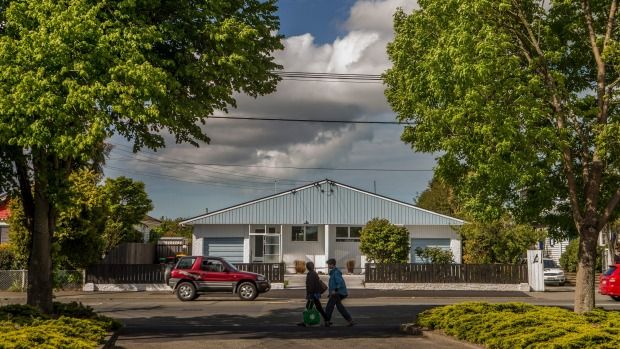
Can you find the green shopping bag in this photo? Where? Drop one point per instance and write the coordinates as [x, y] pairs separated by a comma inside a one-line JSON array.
[[312, 316]]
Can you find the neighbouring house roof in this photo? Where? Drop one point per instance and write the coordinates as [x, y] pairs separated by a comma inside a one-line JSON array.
[[323, 202], [150, 222], [5, 212]]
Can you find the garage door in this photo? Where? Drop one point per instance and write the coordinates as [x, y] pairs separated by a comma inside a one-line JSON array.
[[229, 248], [444, 244]]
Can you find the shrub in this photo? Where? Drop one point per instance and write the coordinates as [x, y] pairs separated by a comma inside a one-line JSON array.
[[351, 266], [435, 255], [383, 242], [300, 266], [7, 257], [25, 327], [520, 325], [569, 259]]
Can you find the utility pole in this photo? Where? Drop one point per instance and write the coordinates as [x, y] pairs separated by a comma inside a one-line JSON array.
[[374, 184], [275, 186]]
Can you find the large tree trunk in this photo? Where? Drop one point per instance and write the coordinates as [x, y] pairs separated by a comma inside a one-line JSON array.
[[40, 260], [585, 288]]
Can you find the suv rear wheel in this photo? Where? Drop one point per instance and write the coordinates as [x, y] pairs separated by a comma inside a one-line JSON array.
[[186, 291], [247, 291]]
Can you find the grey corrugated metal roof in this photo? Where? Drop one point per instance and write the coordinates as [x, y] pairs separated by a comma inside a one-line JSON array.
[[323, 202]]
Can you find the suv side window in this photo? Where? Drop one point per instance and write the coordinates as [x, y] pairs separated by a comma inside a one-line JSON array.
[[186, 263], [212, 265]]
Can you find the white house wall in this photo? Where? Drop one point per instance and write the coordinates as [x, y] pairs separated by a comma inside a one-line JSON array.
[[302, 250]]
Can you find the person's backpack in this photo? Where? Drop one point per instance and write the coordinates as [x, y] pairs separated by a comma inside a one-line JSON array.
[[312, 316]]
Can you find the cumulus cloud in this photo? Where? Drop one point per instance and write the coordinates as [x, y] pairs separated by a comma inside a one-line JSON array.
[[363, 51]]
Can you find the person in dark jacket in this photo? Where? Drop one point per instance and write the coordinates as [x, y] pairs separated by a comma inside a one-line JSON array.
[[337, 292], [314, 289]]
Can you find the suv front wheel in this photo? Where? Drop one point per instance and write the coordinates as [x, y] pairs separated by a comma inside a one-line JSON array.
[[186, 291], [247, 291]]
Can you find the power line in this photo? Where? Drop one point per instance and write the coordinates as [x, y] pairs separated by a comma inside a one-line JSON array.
[[329, 76], [309, 120]]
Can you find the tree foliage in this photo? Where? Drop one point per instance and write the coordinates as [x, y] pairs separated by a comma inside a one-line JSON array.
[[93, 219], [127, 204], [499, 241], [438, 197], [520, 100], [75, 72], [171, 228], [384, 242]]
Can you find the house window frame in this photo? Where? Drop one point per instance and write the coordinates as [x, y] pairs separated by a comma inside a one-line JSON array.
[[348, 238], [305, 233]]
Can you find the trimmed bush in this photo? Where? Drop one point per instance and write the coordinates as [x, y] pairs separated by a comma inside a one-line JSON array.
[[72, 325], [520, 325]]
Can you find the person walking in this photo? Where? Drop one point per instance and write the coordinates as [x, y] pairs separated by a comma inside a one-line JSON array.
[[337, 292], [314, 288]]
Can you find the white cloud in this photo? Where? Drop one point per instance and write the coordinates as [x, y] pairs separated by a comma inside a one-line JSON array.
[[362, 50]]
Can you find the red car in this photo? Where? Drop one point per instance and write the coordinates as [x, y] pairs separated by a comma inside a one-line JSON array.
[[610, 282], [194, 275]]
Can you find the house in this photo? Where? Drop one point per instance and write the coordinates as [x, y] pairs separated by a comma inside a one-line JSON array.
[[313, 223], [5, 212], [145, 226]]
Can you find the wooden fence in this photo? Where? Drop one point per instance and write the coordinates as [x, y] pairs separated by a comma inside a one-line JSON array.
[[274, 272], [125, 274], [154, 273], [446, 273]]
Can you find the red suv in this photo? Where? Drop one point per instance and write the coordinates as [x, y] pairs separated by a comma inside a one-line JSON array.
[[610, 282], [194, 275]]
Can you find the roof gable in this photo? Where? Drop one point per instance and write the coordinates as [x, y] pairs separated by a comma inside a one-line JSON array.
[[323, 202]]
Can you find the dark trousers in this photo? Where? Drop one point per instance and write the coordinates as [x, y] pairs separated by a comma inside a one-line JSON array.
[[335, 300], [317, 305]]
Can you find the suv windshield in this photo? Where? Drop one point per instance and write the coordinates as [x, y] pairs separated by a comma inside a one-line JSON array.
[[549, 263], [610, 270]]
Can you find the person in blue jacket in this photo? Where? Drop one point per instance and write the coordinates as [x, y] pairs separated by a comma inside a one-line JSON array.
[[337, 292]]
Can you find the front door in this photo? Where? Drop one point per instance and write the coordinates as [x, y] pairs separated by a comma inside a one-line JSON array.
[[259, 246]]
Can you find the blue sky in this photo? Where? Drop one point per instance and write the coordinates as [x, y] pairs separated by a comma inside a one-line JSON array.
[[338, 36], [323, 18]]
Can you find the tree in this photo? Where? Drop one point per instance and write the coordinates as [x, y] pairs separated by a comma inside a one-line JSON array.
[[75, 72], [499, 241], [127, 204], [520, 100], [171, 228], [384, 242], [438, 197], [435, 255]]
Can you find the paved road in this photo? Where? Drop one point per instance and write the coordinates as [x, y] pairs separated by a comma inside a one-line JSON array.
[[159, 320]]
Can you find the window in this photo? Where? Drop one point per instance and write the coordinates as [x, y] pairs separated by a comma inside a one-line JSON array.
[[186, 263], [212, 265], [305, 233], [348, 234]]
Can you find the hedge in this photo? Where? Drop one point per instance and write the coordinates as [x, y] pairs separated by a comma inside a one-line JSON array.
[[71, 325], [520, 325]]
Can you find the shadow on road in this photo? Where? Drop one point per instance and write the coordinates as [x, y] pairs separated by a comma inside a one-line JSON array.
[[372, 322]]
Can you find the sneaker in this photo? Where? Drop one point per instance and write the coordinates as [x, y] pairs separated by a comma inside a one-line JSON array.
[[351, 323]]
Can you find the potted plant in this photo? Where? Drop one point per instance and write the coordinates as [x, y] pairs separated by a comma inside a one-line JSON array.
[[300, 266], [350, 266]]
